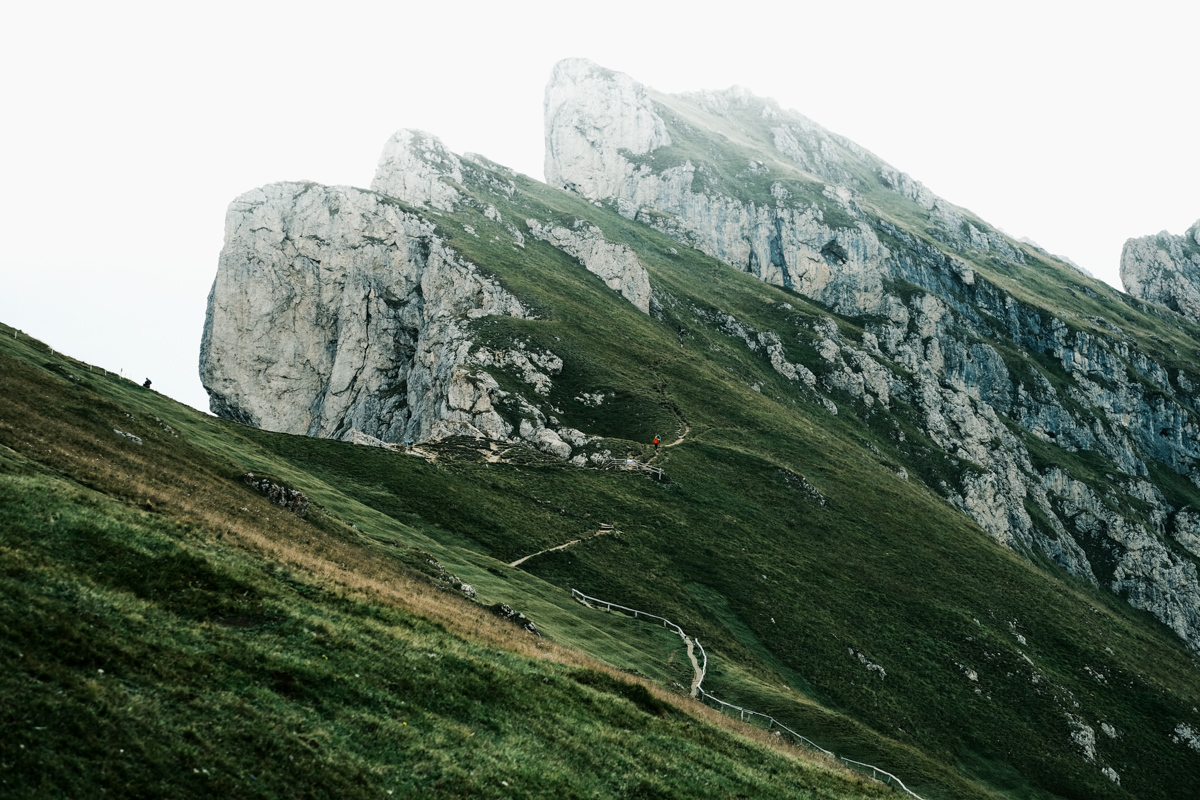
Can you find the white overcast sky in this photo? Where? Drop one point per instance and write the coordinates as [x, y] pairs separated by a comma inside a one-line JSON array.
[[128, 127]]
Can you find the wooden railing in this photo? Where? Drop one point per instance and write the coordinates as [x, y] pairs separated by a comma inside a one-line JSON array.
[[745, 714]]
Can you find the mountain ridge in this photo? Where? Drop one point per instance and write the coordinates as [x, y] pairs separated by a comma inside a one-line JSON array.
[[893, 341], [787, 243]]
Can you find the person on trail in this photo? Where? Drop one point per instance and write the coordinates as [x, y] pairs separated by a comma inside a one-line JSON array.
[[146, 385], [656, 441]]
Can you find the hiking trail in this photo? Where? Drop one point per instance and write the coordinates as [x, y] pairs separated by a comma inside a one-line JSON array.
[[697, 672], [604, 529], [686, 430]]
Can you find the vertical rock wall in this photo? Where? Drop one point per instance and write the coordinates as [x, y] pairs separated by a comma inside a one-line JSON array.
[[335, 309]]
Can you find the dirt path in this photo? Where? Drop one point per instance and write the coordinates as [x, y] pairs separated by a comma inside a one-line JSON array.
[[600, 532], [686, 430], [697, 673], [690, 643], [683, 435]]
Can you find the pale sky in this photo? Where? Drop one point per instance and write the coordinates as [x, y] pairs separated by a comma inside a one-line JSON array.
[[128, 127]]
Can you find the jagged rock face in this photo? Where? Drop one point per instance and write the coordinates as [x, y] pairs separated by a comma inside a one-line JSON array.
[[1165, 269], [597, 121], [592, 114], [615, 264], [946, 352], [789, 247], [342, 313], [969, 399], [412, 167], [334, 309]]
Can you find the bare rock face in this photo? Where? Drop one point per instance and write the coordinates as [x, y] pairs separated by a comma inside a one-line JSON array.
[[778, 196], [1165, 269], [334, 309], [412, 167], [602, 132], [615, 264], [591, 115]]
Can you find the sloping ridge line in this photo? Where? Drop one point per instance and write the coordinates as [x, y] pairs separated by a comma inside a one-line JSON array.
[[699, 668]]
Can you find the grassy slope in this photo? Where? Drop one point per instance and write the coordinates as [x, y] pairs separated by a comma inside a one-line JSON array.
[[915, 588], [166, 632], [250, 607]]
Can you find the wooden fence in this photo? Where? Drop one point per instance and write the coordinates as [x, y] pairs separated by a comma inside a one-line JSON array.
[[745, 714]]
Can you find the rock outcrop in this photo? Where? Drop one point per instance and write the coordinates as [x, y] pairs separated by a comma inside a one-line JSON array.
[[336, 309], [592, 114], [1165, 269], [345, 313], [615, 264], [413, 168], [799, 207]]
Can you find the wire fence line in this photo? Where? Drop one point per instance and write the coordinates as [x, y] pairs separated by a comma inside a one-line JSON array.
[[745, 714], [578, 595]]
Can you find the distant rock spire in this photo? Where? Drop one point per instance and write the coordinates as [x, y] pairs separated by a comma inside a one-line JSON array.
[[1165, 269]]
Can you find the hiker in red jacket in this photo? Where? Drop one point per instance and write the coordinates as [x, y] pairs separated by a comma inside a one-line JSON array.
[[656, 441]]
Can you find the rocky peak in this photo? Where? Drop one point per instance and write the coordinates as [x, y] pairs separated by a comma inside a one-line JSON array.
[[335, 309], [772, 193], [1165, 269], [794, 214], [413, 168], [592, 114]]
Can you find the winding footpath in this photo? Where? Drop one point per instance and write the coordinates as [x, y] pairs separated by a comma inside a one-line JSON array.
[[697, 670], [603, 530]]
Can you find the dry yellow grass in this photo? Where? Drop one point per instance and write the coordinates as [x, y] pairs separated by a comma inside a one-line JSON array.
[[186, 486]]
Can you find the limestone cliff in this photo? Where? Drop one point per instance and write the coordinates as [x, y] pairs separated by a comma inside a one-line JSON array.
[[607, 138], [1165, 269], [998, 378], [345, 313], [335, 309]]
